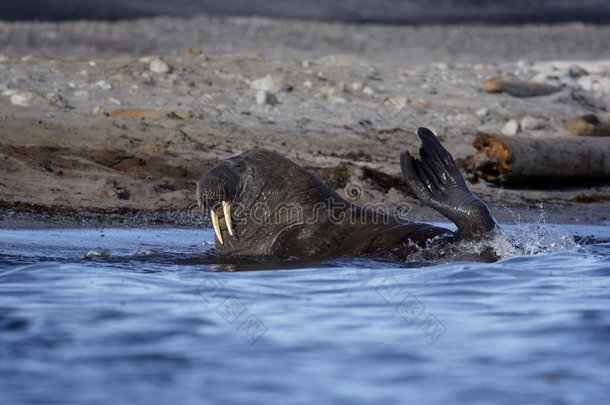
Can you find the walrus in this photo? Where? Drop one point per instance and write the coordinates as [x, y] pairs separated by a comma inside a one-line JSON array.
[[264, 205]]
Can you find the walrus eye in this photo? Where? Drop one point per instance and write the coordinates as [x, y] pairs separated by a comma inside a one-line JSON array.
[[238, 166]]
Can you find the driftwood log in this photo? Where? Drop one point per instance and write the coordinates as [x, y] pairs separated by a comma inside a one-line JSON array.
[[139, 113], [549, 161], [518, 88]]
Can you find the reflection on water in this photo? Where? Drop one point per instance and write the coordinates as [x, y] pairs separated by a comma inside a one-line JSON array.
[[151, 315]]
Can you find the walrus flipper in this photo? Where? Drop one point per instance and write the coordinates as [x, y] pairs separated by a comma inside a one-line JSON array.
[[437, 182]]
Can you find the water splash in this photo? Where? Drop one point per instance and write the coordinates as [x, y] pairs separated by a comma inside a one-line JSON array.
[[527, 239], [99, 253], [533, 238], [143, 251], [518, 239]]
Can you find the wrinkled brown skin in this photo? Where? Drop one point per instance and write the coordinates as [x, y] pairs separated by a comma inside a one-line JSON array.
[[264, 187]]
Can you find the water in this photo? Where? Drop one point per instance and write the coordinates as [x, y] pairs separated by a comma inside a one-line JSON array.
[[128, 316]]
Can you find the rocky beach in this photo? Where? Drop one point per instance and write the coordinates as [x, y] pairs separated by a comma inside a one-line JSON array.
[[117, 121]]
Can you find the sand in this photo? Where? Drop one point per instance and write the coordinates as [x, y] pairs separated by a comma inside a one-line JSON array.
[[340, 99]]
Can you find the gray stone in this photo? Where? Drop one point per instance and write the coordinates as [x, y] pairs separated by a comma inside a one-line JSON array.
[[104, 85], [159, 66], [483, 112], [531, 123], [26, 98], [511, 128], [22, 98], [267, 83]]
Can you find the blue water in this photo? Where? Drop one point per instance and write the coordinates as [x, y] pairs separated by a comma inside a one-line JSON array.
[[127, 316]]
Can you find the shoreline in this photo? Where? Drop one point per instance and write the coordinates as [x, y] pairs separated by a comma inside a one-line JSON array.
[[25, 216]]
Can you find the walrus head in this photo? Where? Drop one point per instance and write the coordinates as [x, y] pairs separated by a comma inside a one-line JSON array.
[[263, 204]]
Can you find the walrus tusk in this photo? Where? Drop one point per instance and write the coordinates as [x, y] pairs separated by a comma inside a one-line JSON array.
[[226, 209], [216, 226]]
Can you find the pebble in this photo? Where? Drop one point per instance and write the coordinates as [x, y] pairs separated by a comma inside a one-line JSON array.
[[396, 102], [147, 79], [483, 112], [357, 86], [511, 128], [159, 66], [420, 104], [267, 83], [56, 99], [531, 123], [524, 70], [22, 98], [327, 92], [367, 90], [595, 83], [25, 98], [308, 84], [81, 94], [103, 84], [264, 97], [98, 110], [3, 58], [524, 64], [336, 100], [587, 82]]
